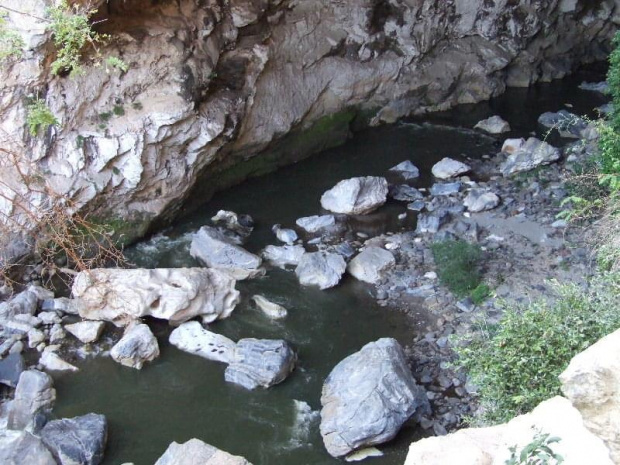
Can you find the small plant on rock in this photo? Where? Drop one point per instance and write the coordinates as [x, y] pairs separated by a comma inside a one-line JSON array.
[[537, 452], [39, 116], [458, 266], [11, 43]]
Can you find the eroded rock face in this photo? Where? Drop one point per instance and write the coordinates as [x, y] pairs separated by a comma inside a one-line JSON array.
[[367, 397], [189, 117], [195, 452], [174, 294]]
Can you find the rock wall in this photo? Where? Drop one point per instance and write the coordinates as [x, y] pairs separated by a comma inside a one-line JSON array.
[[218, 90]]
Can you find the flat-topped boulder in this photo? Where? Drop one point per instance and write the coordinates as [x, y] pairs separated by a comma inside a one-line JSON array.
[[356, 196], [367, 397], [193, 338], [322, 269], [174, 294], [370, 264], [196, 452], [86, 331], [282, 256], [218, 251]]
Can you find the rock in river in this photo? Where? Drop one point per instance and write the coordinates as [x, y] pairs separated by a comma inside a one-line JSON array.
[[448, 168], [271, 309], [175, 294], [322, 269], [77, 441], [493, 125], [11, 368], [193, 338], [406, 170], [370, 264], [23, 448], [367, 397], [34, 398], [137, 346], [196, 452], [314, 224], [284, 255], [216, 250], [356, 196], [86, 331], [260, 363], [532, 154]]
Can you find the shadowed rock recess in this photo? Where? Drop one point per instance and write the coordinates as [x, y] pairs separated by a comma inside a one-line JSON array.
[[217, 91]]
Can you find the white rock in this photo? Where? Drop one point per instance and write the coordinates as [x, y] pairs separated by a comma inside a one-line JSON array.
[[512, 145], [592, 383], [363, 454], [49, 318], [314, 224], [493, 125], [320, 269], [196, 452], [532, 154], [448, 168], [137, 346], [271, 309], [285, 255], [288, 236], [406, 170], [51, 361], [479, 200], [35, 337], [174, 294], [57, 334], [193, 338], [370, 264], [86, 331], [356, 196]]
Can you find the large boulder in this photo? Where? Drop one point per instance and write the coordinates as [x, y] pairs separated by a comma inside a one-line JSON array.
[[24, 303], [51, 361], [284, 255], [260, 363], [370, 264], [322, 269], [480, 200], [175, 294], [137, 346], [196, 452], [191, 337], [592, 383], [356, 196], [491, 446], [86, 331], [77, 441], [22, 448], [448, 168], [216, 250], [367, 397], [34, 398], [532, 153]]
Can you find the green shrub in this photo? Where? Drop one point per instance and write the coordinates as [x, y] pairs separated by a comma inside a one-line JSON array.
[[516, 363], [11, 43], [458, 265], [39, 116], [537, 452]]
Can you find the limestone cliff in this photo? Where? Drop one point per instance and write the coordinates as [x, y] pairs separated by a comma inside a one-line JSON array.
[[216, 90]]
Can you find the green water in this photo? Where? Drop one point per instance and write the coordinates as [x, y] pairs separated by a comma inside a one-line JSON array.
[[180, 396]]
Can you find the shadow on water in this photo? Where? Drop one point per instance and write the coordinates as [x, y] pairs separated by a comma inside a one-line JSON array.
[[180, 396]]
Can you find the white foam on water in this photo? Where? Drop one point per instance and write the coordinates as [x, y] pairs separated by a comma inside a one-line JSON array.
[[305, 419]]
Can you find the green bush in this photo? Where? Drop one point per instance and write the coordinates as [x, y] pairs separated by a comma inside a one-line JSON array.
[[11, 43], [458, 266], [516, 363], [537, 452], [39, 116]]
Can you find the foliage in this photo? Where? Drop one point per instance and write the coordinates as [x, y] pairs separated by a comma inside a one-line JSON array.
[[480, 293], [516, 363], [537, 452], [11, 43], [39, 116], [115, 62], [458, 265]]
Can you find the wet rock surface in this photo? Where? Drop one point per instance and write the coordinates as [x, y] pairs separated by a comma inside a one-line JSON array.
[[80, 440]]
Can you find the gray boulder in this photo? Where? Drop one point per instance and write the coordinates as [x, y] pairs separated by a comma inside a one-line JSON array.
[[431, 222], [566, 123], [405, 193], [448, 168], [77, 441], [215, 250], [322, 269], [314, 224], [191, 337], [24, 303], [532, 154], [11, 367], [284, 255], [86, 331], [480, 200], [137, 346], [22, 448], [445, 188], [260, 363], [512, 145], [370, 264], [196, 452], [356, 196], [51, 361], [34, 398], [493, 125], [406, 170], [367, 397]]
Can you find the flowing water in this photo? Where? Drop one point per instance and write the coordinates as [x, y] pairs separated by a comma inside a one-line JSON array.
[[181, 396]]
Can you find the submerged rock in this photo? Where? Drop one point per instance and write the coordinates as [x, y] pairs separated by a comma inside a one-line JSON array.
[[322, 269], [367, 397], [22, 448], [137, 346], [86, 331], [77, 441], [448, 168], [174, 294], [34, 398], [272, 310], [532, 154], [356, 196], [406, 170], [196, 452], [370, 264], [284, 255], [363, 454], [217, 251], [242, 225], [191, 337], [601, 87], [493, 125], [479, 200], [314, 224], [260, 363]]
